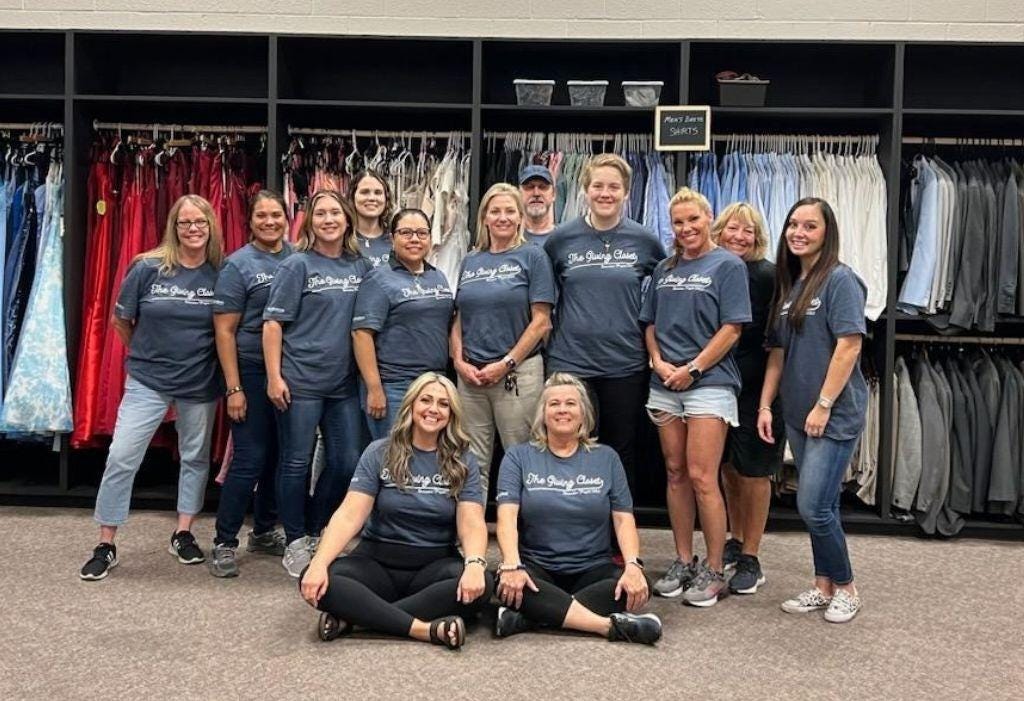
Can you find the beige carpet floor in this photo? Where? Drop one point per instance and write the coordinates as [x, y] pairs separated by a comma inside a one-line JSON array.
[[942, 620]]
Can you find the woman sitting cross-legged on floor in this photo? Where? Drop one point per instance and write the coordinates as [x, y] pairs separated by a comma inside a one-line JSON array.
[[415, 491], [558, 498]]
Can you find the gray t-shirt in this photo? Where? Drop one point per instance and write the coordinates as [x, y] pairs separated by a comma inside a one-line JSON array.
[[410, 314], [537, 239], [376, 250], [689, 302], [243, 287], [172, 349], [837, 311], [312, 296], [565, 504], [494, 297], [422, 514], [600, 275]]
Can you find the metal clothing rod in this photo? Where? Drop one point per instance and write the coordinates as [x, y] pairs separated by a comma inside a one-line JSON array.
[[961, 141], [980, 340], [852, 139], [27, 126], [178, 127], [410, 133], [592, 137]]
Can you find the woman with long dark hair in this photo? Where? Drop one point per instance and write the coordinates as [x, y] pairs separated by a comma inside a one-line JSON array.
[[370, 196], [414, 494], [816, 331]]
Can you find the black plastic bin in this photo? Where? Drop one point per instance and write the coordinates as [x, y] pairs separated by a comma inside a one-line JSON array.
[[742, 93]]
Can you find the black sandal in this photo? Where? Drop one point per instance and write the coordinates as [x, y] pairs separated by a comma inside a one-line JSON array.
[[452, 632], [329, 627]]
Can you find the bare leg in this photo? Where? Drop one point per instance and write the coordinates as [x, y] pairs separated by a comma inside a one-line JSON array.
[[185, 522], [733, 501], [107, 534], [583, 619], [756, 496], [704, 444], [679, 490]]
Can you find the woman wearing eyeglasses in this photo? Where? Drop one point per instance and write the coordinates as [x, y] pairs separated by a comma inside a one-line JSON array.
[[400, 323], [164, 314]]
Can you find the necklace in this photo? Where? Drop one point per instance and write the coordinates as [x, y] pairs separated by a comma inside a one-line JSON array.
[[606, 240]]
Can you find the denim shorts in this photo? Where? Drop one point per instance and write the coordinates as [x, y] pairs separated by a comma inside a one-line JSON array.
[[702, 401]]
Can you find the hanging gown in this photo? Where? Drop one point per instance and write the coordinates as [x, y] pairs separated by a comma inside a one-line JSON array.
[[38, 398]]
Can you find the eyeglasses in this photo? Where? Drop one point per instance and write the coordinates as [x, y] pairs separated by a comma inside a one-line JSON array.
[[185, 225], [422, 234]]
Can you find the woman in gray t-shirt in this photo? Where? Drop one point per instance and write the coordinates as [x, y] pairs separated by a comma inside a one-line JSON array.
[[164, 314], [559, 499], [370, 196], [815, 334], [414, 494]]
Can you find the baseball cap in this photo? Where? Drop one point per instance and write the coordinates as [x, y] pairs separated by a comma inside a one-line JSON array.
[[530, 172]]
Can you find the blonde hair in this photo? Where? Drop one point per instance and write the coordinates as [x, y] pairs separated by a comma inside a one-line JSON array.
[[749, 217], [307, 239], [452, 444], [483, 236], [606, 160], [539, 429], [686, 196], [167, 251]]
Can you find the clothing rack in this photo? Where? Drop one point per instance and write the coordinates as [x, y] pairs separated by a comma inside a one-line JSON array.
[[415, 134], [864, 144], [155, 127], [960, 141], [977, 340], [31, 126]]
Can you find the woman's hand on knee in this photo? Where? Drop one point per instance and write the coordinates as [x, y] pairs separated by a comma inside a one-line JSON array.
[[314, 584], [511, 586], [471, 584], [634, 585]]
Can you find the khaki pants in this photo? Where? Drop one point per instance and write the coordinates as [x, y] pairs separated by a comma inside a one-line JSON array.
[[487, 407]]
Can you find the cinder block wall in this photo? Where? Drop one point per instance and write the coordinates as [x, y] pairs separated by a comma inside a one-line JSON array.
[[963, 20]]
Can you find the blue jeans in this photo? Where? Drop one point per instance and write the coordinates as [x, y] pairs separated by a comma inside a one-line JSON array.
[[341, 424], [821, 463], [141, 412], [394, 392], [254, 465]]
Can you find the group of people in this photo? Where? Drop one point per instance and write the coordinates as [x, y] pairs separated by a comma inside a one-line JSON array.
[[559, 338]]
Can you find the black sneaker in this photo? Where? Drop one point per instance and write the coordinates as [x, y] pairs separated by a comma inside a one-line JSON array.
[[635, 628], [104, 558], [184, 547], [731, 553], [748, 576], [509, 622]]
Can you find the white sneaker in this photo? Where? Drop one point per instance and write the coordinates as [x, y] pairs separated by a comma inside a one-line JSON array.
[[296, 556], [805, 602], [843, 607]]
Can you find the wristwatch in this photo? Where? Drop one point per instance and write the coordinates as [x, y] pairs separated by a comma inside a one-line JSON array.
[[478, 560], [824, 402], [636, 561], [695, 372], [510, 362]]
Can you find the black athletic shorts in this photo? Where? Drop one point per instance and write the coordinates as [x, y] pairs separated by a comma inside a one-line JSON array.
[[745, 450]]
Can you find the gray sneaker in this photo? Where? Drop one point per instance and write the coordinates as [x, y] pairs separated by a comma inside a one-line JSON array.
[[747, 577], [676, 579], [222, 561], [269, 543], [296, 556], [706, 587]]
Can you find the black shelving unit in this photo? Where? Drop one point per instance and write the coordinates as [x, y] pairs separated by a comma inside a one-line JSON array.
[[893, 89]]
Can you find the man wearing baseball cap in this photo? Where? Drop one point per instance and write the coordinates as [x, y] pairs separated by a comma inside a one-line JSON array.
[[538, 190]]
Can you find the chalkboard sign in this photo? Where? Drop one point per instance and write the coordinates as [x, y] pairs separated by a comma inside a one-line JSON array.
[[682, 128]]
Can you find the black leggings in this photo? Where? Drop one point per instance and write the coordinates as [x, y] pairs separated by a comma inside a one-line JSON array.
[[593, 588], [619, 406], [384, 586]]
